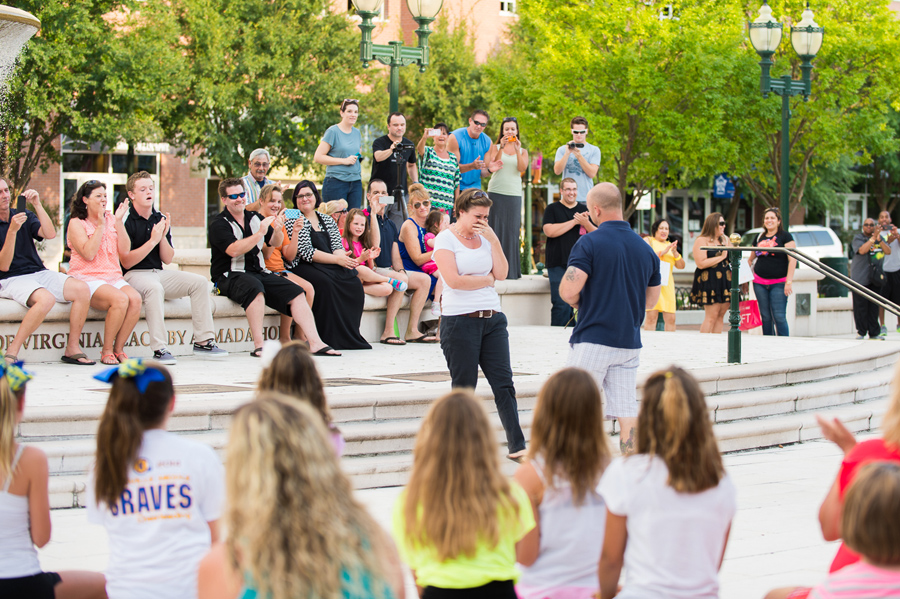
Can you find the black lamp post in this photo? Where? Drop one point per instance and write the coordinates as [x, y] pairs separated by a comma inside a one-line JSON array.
[[806, 38], [395, 54]]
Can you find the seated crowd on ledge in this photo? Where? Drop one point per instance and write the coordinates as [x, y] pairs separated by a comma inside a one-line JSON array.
[[281, 519]]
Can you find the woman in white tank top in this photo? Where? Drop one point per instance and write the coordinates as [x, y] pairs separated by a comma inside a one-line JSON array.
[[25, 508], [569, 450]]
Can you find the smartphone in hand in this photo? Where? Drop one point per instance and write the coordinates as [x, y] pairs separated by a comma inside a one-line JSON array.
[[434, 132], [291, 213], [20, 204]]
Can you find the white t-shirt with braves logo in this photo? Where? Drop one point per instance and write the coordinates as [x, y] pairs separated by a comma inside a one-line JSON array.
[[158, 530]]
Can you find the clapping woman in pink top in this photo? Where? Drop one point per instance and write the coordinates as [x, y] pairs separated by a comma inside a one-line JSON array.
[[93, 238]]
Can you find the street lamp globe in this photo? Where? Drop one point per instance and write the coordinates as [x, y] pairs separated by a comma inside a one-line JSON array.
[[765, 31], [367, 5], [424, 9], [806, 36]]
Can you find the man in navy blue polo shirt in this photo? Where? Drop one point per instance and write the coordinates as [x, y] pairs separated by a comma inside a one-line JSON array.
[[612, 279], [25, 280]]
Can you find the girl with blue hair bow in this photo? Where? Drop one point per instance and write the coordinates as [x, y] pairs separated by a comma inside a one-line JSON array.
[[158, 494], [25, 508]]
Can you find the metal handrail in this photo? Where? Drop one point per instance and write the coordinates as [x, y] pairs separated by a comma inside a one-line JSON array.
[[734, 319], [823, 269]]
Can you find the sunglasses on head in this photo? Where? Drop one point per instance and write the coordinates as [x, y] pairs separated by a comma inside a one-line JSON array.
[[510, 119], [479, 123], [349, 101], [234, 196], [418, 205]]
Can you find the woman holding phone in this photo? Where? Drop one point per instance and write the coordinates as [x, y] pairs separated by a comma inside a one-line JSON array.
[[505, 190], [439, 168]]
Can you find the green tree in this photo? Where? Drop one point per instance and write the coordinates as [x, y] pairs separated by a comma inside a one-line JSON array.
[[655, 89], [260, 74], [846, 119], [92, 73], [452, 86]]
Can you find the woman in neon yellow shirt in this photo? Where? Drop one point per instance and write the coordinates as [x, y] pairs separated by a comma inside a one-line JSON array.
[[459, 521]]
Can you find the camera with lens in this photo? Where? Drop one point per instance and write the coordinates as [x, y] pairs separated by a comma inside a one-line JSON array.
[[403, 147]]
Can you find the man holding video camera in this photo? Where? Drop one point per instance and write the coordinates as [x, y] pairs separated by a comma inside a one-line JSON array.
[[390, 152], [578, 159]]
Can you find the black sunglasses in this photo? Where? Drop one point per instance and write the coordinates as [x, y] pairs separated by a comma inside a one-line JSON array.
[[722, 223], [479, 123]]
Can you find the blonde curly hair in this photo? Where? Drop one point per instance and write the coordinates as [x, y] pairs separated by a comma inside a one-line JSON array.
[[293, 524]]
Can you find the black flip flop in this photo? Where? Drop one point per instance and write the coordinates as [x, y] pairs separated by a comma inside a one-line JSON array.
[[76, 359], [423, 339], [387, 341], [324, 352], [256, 353]]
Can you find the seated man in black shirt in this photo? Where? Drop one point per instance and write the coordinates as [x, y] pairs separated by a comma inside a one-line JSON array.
[[563, 224], [25, 280], [238, 270], [145, 243]]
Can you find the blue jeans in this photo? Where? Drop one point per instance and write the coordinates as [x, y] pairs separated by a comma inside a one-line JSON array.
[[772, 308], [335, 189], [560, 311], [471, 342]]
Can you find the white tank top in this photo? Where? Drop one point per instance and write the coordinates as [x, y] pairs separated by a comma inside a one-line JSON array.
[[18, 557], [571, 540]]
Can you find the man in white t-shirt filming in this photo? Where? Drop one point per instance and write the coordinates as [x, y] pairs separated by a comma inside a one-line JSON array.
[[578, 159]]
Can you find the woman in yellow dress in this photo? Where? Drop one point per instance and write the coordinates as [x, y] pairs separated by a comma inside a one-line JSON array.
[[668, 253]]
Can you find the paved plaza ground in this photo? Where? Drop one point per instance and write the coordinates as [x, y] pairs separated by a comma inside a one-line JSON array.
[[775, 538]]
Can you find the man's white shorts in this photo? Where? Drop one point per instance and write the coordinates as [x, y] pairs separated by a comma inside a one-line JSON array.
[[615, 370], [20, 288]]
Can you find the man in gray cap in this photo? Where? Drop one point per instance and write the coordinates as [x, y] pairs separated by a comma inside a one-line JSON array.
[[256, 179]]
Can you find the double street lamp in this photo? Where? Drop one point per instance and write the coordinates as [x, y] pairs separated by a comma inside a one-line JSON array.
[[395, 54], [806, 38]]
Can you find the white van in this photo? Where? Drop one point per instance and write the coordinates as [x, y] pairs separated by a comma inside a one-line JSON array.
[[813, 240]]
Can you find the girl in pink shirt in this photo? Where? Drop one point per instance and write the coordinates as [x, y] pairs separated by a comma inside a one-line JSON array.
[[93, 236], [357, 240]]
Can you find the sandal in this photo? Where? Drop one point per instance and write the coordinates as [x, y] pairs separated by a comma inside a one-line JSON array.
[[10, 358], [121, 356], [256, 353], [109, 359], [392, 341], [78, 360], [325, 352]]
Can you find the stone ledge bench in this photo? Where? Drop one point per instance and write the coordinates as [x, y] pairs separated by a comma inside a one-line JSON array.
[[526, 301]]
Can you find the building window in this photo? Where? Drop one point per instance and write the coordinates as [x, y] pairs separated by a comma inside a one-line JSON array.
[[85, 163], [144, 163], [507, 7]]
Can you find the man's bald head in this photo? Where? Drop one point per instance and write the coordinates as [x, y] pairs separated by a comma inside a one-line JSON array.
[[606, 198]]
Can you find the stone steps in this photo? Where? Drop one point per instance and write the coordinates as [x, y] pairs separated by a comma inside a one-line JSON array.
[[752, 406]]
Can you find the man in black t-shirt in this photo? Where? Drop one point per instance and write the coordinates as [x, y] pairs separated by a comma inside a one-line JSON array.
[[564, 222], [387, 163], [145, 247], [238, 269], [25, 280]]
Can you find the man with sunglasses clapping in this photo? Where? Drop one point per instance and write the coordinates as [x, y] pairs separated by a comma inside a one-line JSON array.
[[578, 159]]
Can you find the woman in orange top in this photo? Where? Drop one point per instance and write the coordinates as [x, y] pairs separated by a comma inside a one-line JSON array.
[[93, 238], [271, 203]]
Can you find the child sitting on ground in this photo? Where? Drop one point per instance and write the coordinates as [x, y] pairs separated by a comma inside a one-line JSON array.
[[436, 222], [669, 506], [870, 526], [25, 508], [357, 240]]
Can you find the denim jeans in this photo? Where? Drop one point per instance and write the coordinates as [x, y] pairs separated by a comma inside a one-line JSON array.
[[560, 311], [472, 342], [335, 189], [772, 308]]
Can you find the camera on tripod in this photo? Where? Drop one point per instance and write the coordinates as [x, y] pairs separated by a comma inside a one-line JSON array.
[[403, 147]]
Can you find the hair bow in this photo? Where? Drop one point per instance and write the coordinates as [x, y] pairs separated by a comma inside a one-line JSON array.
[[133, 368], [366, 211], [16, 377]]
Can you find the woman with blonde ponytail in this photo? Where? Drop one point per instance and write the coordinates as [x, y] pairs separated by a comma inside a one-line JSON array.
[[670, 505], [158, 495], [25, 508]]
